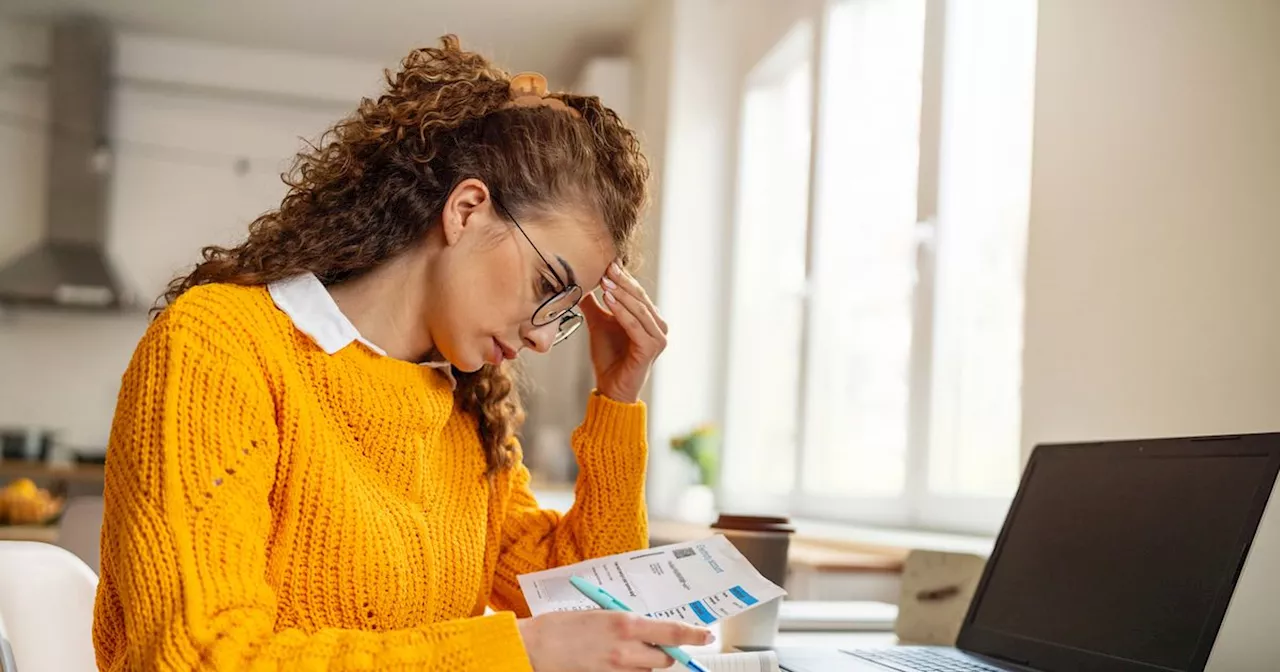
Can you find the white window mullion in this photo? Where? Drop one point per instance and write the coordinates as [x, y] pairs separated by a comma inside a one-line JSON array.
[[818, 71], [921, 380], [856, 411], [769, 287], [984, 176]]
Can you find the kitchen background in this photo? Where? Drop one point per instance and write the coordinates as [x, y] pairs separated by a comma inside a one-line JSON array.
[[200, 126], [132, 133]]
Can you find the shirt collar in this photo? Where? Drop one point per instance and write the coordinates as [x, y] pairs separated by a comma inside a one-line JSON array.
[[313, 311]]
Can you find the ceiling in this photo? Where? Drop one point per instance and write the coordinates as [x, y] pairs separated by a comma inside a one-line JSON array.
[[551, 36]]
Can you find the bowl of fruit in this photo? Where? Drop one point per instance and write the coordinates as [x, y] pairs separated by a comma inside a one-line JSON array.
[[22, 503]]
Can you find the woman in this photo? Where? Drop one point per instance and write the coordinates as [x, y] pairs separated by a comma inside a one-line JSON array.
[[313, 463]]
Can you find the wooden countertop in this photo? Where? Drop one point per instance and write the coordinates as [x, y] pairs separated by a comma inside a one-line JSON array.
[[81, 473], [45, 533], [823, 555]]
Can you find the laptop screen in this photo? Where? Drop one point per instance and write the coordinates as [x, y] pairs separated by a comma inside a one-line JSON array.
[[1128, 555]]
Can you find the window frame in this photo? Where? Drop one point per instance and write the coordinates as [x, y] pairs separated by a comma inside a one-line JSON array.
[[917, 507]]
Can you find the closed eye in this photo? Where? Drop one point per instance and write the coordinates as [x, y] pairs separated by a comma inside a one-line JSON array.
[[545, 287]]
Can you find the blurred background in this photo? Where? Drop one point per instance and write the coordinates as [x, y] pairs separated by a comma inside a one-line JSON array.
[[899, 242]]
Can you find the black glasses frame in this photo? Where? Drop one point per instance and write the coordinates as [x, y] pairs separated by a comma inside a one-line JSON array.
[[569, 319]]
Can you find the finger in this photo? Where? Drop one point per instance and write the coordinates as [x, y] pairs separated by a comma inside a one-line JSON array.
[[594, 312], [670, 633], [619, 278], [624, 304], [641, 656], [630, 324], [639, 309]]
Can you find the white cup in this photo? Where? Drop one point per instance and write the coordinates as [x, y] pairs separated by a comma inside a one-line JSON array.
[[752, 629], [764, 541]]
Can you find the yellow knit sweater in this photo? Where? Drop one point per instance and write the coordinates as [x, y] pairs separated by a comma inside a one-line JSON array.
[[269, 506]]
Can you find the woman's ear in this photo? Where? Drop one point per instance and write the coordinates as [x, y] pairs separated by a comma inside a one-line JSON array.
[[461, 207]]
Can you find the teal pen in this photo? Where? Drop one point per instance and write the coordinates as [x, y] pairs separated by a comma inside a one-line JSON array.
[[606, 601]]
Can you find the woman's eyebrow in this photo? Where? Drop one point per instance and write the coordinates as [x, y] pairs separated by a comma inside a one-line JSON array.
[[573, 279]]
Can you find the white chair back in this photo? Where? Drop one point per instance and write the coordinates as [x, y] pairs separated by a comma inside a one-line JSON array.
[[46, 602], [7, 663]]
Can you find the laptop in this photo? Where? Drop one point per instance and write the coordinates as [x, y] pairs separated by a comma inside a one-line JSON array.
[[1114, 557]]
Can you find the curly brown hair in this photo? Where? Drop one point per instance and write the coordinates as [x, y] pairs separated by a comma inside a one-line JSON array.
[[377, 181]]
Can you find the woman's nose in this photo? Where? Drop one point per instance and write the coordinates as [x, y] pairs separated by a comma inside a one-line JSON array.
[[539, 339]]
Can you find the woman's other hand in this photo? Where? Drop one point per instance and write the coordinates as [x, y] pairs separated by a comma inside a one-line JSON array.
[[627, 335]]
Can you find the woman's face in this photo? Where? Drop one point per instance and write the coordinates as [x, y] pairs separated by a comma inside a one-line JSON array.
[[488, 279]]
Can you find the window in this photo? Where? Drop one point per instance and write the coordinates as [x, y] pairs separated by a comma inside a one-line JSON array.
[[769, 268], [876, 335]]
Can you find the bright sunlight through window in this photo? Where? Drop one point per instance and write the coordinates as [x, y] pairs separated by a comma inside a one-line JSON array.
[[876, 337]]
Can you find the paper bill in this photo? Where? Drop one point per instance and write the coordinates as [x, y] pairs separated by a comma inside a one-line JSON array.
[[700, 583]]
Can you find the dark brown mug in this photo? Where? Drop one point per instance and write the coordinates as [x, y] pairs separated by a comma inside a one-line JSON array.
[[763, 540]]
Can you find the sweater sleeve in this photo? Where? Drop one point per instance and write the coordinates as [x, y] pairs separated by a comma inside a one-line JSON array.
[[193, 457], [608, 514]]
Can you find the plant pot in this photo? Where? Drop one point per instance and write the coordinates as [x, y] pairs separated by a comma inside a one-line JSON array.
[[697, 504]]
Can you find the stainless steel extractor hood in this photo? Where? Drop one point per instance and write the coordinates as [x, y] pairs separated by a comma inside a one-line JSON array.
[[69, 266]]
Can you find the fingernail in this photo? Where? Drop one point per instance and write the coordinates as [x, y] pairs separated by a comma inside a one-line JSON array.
[[608, 296], [708, 638], [608, 283], [615, 268]]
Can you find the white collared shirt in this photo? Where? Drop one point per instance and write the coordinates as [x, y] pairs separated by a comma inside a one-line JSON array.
[[313, 311]]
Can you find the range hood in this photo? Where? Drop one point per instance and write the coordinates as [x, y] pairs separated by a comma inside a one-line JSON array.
[[69, 266]]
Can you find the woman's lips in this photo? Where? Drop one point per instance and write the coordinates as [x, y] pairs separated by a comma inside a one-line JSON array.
[[501, 352]]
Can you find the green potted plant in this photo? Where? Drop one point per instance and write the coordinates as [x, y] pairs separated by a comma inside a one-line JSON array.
[[701, 447]]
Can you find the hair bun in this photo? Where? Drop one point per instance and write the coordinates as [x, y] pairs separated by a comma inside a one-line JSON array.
[[529, 89]]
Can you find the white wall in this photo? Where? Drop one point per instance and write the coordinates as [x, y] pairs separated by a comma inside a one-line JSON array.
[[693, 56], [653, 55], [651, 58], [692, 219], [176, 189], [1152, 274], [1152, 270]]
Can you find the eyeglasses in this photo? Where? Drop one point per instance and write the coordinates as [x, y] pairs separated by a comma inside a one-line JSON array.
[[559, 309]]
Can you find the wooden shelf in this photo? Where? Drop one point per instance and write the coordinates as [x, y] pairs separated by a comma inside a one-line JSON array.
[[45, 533], [79, 473]]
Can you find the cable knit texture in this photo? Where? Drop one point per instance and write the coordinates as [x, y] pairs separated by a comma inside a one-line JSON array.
[[269, 506]]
